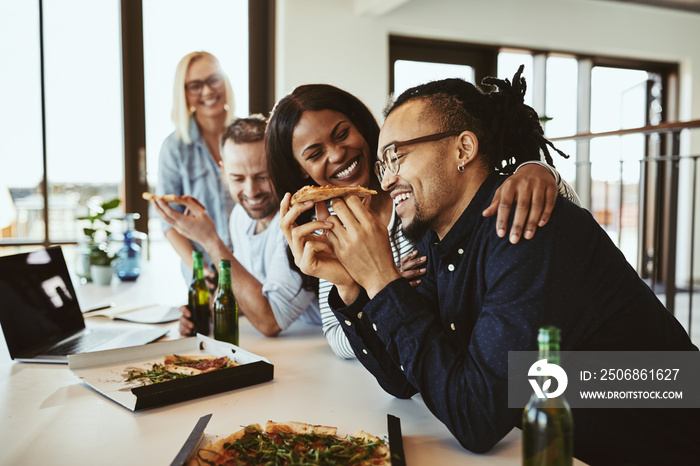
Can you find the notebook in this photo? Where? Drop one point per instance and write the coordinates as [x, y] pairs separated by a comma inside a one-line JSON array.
[[40, 315]]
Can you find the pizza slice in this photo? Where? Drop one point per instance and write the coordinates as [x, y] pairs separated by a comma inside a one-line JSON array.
[[323, 193], [182, 200], [166, 197], [176, 367], [193, 365], [293, 443]]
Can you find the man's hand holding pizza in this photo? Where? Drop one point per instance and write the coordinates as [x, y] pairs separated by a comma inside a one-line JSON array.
[[194, 224], [361, 243]]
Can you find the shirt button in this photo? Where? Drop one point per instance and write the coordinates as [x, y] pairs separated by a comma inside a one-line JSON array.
[[364, 351], [460, 251], [450, 267], [374, 326], [348, 323], [452, 325], [359, 315]]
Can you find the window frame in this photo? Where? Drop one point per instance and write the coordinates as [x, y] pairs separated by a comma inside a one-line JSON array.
[[261, 40]]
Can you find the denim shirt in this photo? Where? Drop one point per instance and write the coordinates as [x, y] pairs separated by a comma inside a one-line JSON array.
[[448, 339], [191, 169]]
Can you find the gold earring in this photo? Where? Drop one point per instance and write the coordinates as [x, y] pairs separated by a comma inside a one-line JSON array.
[[193, 109]]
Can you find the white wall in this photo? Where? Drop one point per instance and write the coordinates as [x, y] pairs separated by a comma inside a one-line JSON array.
[[327, 41]]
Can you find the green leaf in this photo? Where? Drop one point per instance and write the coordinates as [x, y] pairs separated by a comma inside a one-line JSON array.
[[111, 204]]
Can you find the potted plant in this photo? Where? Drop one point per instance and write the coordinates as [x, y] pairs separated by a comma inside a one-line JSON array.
[[101, 259], [94, 256]]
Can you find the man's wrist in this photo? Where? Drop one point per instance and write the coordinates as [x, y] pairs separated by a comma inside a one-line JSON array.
[[216, 249], [348, 293], [375, 286]]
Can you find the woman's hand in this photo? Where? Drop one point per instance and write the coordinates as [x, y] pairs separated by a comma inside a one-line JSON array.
[[410, 267], [312, 253], [534, 191]]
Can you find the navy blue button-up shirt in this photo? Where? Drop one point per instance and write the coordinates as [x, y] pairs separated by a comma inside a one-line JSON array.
[[482, 296]]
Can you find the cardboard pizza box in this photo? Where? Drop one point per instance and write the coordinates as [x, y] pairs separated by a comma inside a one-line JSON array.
[[106, 372]]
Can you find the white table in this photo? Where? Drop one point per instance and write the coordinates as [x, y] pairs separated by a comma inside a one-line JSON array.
[[50, 417]]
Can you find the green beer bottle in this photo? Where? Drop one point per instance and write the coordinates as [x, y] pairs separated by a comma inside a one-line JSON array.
[[198, 297], [548, 427], [225, 307]]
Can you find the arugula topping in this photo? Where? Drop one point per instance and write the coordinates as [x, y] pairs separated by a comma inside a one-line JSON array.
[[283, 448], [157, 374]]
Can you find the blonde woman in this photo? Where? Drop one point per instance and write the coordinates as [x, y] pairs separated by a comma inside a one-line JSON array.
[[190, 158]]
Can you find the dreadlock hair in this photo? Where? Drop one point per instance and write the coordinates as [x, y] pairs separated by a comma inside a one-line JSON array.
[[509, 132]]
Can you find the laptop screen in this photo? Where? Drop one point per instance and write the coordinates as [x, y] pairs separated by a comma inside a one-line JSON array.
[[38, 305]]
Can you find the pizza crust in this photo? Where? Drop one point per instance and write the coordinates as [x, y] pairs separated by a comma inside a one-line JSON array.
[[323, 193], [214, 450], [166, 197], [298, 428]]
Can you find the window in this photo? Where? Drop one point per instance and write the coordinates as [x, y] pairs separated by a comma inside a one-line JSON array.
[[173, 29], [561, 107], [83, 115], [623, 94], [508, 64], [408, 73], [415, 61]]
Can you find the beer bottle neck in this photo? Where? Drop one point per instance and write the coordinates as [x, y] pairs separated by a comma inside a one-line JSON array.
[[197, 267], [548, 342], [225, 275]]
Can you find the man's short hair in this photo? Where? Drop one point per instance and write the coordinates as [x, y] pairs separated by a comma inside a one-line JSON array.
[[246, 130]]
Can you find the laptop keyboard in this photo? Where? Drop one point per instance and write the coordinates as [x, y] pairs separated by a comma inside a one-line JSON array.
[[83, 343]]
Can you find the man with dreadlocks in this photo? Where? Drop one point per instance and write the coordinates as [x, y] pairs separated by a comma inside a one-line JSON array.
[[442, 149]]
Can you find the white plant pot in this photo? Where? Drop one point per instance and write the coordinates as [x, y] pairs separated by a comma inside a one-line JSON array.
[[101, 274]]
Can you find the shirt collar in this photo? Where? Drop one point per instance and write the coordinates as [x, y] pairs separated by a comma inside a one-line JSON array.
[[195, 135], [466, 223]]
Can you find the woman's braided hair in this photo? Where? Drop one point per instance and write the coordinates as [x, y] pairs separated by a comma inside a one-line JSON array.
[[509, 132]]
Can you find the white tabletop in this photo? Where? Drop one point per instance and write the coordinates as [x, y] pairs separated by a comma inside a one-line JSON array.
[[50, 417]]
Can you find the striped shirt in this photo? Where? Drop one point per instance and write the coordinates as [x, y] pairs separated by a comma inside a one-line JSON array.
[[331, 327]]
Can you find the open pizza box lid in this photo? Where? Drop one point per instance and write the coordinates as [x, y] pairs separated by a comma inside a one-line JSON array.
[[106, 372]]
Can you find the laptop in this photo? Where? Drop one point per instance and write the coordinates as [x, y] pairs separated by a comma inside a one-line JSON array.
[[40, 315]]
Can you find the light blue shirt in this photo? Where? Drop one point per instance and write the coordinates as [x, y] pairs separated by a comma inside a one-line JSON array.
[[191, 169], [264, 256]]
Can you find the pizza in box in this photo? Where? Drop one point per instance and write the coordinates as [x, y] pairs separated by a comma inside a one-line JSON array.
[[288, 443], [175, 366]]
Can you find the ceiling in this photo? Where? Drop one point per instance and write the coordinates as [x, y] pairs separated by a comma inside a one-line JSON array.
[[692, 6], [380, 7]]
